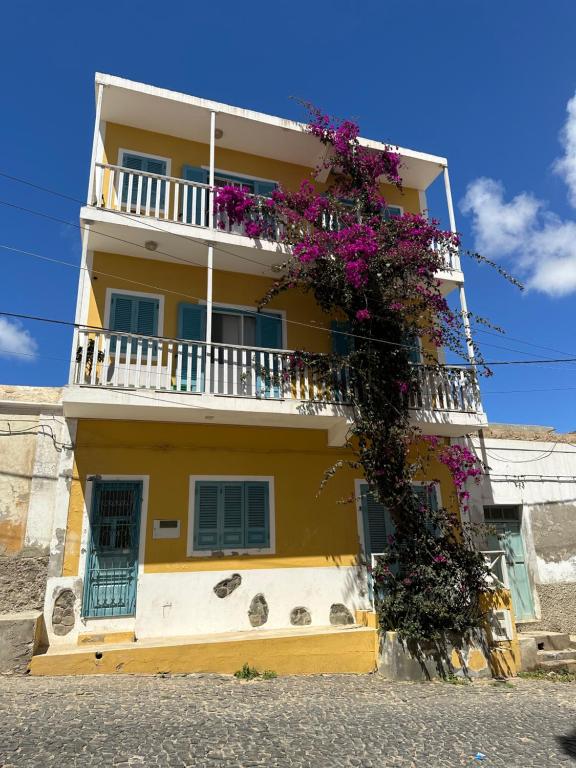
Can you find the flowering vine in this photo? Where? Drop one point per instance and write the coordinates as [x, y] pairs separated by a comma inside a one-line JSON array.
[[377, 273]]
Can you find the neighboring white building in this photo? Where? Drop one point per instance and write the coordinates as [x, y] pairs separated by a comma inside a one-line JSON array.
[[528, 498]]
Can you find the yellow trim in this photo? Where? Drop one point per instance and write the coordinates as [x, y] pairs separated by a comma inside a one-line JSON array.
[[91, 638], [330, 651]]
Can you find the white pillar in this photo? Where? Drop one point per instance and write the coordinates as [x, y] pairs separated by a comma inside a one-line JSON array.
[[97, 144], [210, 268], [461, 293]]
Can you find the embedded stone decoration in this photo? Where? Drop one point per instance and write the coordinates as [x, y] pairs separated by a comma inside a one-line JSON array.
[[63, 612], [300, 616], [227, 586], [339, 614], [258, 611]]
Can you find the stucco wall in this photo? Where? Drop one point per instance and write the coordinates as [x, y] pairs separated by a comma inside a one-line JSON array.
[[31, 429], [538, 474]]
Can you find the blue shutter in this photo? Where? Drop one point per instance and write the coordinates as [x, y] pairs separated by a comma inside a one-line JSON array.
[[192, 327], [146, 320], [146, 165], [268, 330], [412, 341], [341, 343], [121, 313], [378, 524], [206, 508], [200, 176], [232, 505], [257, 511]]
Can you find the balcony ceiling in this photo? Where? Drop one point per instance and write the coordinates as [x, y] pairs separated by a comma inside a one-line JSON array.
[[156, 109]]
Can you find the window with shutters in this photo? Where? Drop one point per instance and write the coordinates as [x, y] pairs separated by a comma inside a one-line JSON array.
[[135, 313], [230, 514], [146, 190]]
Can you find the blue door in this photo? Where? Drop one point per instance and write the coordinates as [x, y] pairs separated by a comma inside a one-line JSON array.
[[506, 535], [112, 558]]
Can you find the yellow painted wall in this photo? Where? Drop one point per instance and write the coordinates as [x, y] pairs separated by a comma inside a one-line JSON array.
[[184, 152], [311, 530], [181, 282]]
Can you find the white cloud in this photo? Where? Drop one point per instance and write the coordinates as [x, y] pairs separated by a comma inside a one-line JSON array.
[[566, 165], [15, 341], [541, 245]]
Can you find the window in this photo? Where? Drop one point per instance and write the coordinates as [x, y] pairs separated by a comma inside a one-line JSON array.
[[133, 313], [146, 164], [230, 514]]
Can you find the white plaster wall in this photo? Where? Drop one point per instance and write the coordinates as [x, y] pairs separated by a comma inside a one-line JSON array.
[[538, 476], [179, 604], [185, 604]]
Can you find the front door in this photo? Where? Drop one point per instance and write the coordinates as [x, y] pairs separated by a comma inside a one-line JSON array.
[[112, 558], [506, 536]]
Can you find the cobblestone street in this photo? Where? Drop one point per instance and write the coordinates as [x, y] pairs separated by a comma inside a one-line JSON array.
[[316, 721]]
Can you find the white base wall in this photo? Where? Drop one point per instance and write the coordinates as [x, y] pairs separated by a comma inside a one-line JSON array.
[[184, 603]]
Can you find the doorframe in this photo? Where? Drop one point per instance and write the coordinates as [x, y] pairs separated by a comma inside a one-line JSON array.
[[86, 532]]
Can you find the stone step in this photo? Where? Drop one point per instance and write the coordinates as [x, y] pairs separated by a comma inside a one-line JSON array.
[[549, 641], [558, 665], [566, 653]]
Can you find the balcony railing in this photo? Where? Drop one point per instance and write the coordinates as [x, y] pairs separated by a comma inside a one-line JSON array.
[[116, 360], [166, 198]]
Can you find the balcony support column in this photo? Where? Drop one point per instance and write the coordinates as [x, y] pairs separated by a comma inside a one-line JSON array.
[[97, 144], [461, 293], [210, 265]]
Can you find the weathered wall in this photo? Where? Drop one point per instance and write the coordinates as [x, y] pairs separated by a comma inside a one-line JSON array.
[[537, 473], [31, 428]]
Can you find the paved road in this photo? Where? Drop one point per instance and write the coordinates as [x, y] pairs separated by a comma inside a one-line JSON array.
[[316, 721]]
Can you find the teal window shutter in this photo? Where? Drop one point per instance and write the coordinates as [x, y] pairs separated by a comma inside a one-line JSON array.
[[342, 344], [412, 341], [257, 505], [264, 188], [121, 313], [200, 176], [192, 327], [146, 316], [206, 515], [231, 515], [137, 162], [133, 314], [378, 524], [268, 330]]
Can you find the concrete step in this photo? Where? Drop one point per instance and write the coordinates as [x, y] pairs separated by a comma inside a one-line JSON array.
[[549, 641], [566, 653], [559, 665], [296, 651]]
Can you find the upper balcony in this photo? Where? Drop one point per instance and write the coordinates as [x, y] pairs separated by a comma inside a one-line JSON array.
[[129, 376], [163, 202]]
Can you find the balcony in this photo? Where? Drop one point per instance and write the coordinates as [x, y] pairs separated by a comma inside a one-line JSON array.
[[181, 207], [122, 375]]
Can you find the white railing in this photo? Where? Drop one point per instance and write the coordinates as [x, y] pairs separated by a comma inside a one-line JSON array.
[[450, 255], [167, 198], [128, 361], [148, 194], [450, 388], [496, 561]]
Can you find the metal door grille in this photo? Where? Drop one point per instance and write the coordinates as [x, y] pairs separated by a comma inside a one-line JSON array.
[[112, 562]]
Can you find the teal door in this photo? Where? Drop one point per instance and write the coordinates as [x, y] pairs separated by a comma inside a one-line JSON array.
[[505, 522], [112, 558]]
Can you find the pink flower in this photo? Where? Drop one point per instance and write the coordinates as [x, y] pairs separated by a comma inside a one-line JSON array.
[[363, 314]]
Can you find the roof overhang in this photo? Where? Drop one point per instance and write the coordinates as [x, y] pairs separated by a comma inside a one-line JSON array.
[[177, 114]]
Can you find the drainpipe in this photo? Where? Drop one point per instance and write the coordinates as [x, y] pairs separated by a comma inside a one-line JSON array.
[[210, 268]]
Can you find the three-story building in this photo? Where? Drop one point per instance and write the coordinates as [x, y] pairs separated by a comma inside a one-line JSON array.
[[194, 508]]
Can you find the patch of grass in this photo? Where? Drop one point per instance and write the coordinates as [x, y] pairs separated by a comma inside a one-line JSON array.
[[554, 676], [251, 673], [502, 684], [455, 680]]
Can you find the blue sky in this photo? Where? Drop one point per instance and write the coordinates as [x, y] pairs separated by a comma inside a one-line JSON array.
[[484, 82]]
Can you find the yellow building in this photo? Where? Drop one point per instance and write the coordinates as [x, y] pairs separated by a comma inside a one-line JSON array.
[[194, 514]]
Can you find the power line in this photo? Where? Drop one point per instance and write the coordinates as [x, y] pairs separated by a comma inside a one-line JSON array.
[[132, 217]]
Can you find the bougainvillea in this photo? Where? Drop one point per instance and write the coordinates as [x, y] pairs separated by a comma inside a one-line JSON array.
[[377, 273]]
